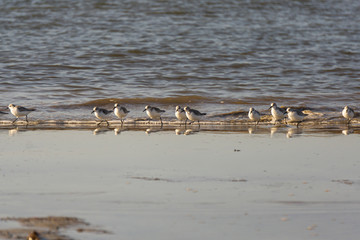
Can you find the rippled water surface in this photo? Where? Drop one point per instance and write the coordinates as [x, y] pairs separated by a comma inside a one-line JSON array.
[[215, 55]]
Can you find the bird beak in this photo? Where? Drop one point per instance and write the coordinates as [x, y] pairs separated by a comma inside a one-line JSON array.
[[144, 110], [93, 111], [270, 107]]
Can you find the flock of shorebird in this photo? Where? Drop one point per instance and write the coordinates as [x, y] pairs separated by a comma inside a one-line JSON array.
[[185, 114], [154, 113]]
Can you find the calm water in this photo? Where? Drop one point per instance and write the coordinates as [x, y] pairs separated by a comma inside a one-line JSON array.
[[164, 186], [218, 56]]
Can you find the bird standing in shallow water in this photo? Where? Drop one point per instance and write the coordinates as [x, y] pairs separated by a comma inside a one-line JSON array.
[[180, 114], [154, 113], [120, 112], [254, 115], [101, 114], [277, 113], [193, 115], [348, 113], [295, 115], [19, 111]]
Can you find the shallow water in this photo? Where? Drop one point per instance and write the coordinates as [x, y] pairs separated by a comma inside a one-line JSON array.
[[218, 56], [204, 185]]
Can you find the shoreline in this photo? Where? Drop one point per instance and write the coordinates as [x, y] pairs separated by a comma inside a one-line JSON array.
[[239, 125]]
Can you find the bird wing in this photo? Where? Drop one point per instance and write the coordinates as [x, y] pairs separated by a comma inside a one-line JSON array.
[[283, 110], [197, 112], [25, 109], [158, 109], [124, 109], [300, 113], [105, 111]]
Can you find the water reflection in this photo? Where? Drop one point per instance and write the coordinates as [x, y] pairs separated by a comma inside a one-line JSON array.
[[293, 132], [119, 130], [273, 130], [98, 131], [191, 131], [179, 131], [153, 130], [13, 132], [347, 131], [252, 130]]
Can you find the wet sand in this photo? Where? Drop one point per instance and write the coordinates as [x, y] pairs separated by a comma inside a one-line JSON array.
[[260, 182]]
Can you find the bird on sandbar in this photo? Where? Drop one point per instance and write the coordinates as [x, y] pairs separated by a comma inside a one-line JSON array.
[[180, 114], [348, 113], [154, 113], [254, 115], [295, 115], [19, 111], [120, 112], [277, 113], [194, 115], [102, 114]]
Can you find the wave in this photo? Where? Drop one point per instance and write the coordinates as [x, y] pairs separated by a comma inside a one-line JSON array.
[[193, 99], [223, 107]]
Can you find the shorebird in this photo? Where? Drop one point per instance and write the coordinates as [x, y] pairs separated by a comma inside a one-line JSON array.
[[19, 111], [120, 112], [295, 115], [180, 114], [277, 113], [348, 113], [101, 114], [254, 115], [154, 113], [193, 115]]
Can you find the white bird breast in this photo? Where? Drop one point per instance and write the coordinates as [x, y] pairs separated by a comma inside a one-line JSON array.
[[193, 117], [293, 116], [119, 113], [347, 114], [153, 114], [15, 111], [100, 115], [277, 114], [180, 115]]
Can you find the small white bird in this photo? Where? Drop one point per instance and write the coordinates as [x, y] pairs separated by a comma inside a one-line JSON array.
[[101, 114], [348, 113], [19, 111], [180, 114], [277, 113], [254, 115], [120, 112], [193, 115], [295, 115], [154, 113]]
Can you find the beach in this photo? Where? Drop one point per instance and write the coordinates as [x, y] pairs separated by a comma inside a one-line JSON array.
[[136, 184], [66, 176]]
